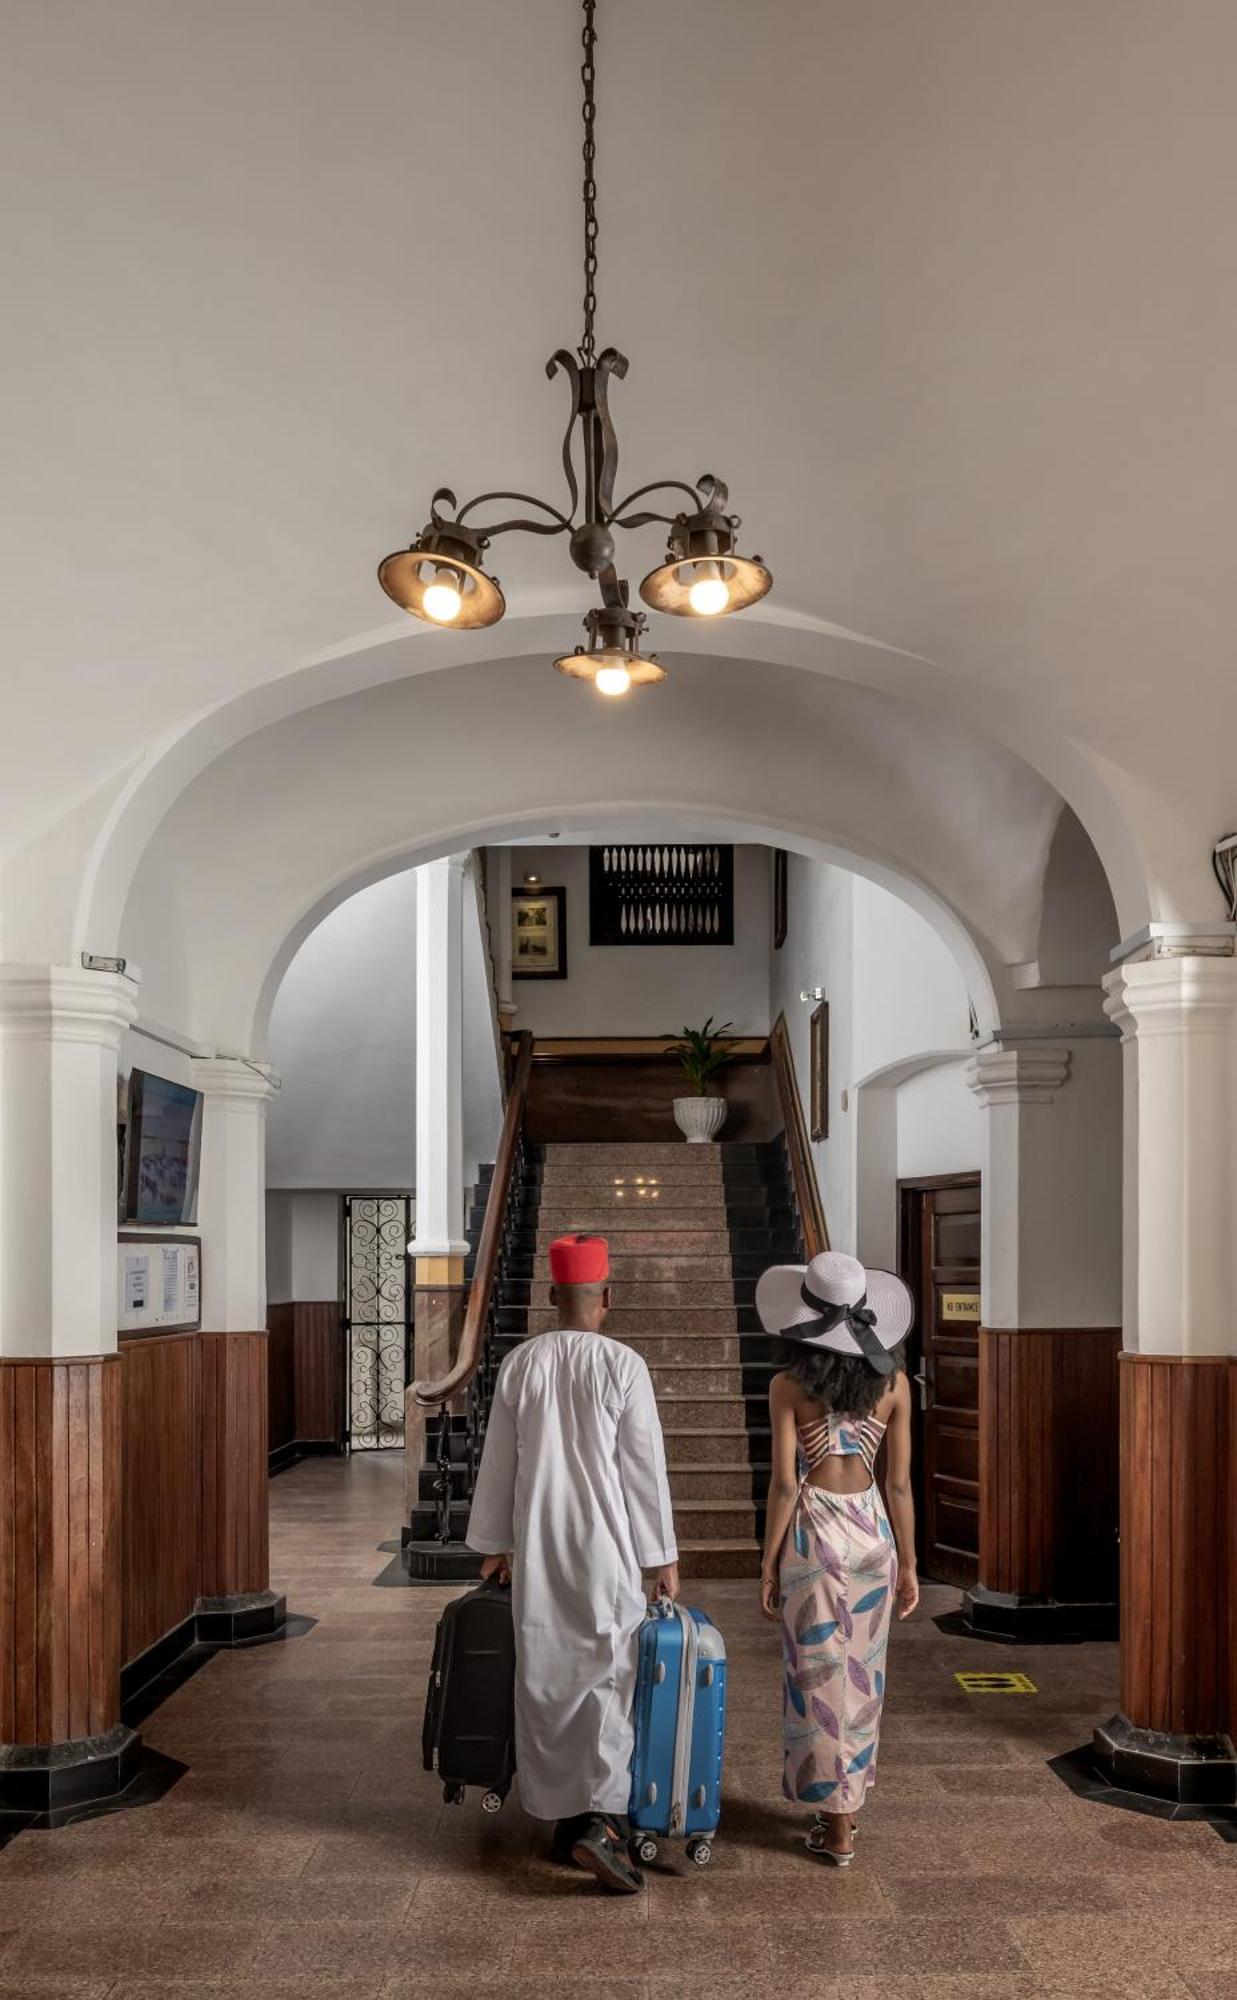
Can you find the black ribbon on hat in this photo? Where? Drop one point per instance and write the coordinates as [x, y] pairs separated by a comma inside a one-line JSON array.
[[860, 1323]]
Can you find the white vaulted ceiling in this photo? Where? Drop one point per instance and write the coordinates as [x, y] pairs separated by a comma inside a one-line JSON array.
[[947, 291]]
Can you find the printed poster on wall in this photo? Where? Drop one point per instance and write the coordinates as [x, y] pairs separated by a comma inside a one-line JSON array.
[[159, 1284]]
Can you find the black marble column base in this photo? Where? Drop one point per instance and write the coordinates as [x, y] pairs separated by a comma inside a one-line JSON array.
[[439, 1562], [1191, 1770], [228, 1621], [49, 1777], [1037, 1621]]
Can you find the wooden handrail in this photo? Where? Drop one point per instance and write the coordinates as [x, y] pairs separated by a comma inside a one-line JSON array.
[[802, 1164], [432, 1395]]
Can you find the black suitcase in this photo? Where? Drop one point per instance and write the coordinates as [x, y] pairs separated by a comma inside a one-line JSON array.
[[469, 1732]]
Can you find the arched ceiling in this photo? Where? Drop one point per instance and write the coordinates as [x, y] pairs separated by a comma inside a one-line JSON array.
[[944, 291], [295, 816]]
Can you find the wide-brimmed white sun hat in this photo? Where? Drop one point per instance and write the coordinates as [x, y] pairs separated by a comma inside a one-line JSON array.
[[834, 1302]]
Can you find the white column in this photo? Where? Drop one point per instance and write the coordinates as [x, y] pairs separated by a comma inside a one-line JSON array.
[[1178, 1023], [440, 1060], [60, 1035], [232, 1192], [1051, 1214]]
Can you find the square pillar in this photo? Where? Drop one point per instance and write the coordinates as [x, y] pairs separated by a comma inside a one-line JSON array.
[[1174, 1734], [236, 1601], [62, 1741], [1050, 1335]]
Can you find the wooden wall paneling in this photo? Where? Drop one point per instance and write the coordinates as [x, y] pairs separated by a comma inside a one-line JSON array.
[[1049, 1463], [60, 1557], [318, 1371], [629, 1096], [162, 1486], [281, 1375], [1176, 1549], [235, 1538]]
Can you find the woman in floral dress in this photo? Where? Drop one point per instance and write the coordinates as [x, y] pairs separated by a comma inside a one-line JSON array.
[[835, 1563]]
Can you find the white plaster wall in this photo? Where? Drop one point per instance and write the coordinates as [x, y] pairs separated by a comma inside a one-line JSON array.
[[909, 991], [894, 992], [343, 1039], [302, 1245], [617, 990], [939, 1123], [819, 951]]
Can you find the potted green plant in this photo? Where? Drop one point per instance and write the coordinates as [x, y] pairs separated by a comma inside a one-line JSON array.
[[702, 1055]]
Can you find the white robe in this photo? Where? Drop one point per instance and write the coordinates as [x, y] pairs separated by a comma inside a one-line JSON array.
[[573, 1481]]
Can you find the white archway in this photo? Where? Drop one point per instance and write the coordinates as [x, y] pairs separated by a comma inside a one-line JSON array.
[[67, 891]]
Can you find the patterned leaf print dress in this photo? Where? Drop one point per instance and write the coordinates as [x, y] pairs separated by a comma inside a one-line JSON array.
[[839, 1570]]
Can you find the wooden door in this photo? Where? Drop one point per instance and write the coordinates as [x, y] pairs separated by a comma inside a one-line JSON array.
[[939, 1258]]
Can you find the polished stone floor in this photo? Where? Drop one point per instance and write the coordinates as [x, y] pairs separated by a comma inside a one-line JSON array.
[[306, 1853]]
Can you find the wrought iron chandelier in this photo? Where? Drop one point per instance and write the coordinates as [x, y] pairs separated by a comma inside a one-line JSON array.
[[442, 577]]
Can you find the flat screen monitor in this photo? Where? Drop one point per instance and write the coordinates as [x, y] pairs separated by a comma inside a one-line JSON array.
[[162, 1150]]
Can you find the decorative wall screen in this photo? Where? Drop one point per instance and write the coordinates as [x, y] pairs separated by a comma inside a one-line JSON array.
[[378, 1306], [661, 895]]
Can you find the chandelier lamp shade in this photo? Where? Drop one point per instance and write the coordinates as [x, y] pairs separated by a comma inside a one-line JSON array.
[[442, 578]]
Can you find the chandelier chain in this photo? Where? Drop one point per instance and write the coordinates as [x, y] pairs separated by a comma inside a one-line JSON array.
[[588, 77]]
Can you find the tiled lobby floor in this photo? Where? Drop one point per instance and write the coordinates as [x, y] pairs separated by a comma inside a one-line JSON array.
[[306, 1854]]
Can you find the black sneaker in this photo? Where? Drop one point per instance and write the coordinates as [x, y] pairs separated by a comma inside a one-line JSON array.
[[602, 1849]]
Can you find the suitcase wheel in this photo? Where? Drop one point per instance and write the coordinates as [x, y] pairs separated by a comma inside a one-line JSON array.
[[492, 1802], [700, 1851], [647, 1849], [453, 1795]]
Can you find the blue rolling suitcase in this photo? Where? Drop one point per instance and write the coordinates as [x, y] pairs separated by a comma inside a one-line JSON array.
[[676, 1770]]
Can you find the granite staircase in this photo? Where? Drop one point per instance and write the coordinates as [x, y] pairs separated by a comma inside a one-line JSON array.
[[690, 1229]]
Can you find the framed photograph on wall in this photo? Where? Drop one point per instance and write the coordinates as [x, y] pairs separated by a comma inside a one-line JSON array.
[[819, 1087], [539, 934], [780, 923]]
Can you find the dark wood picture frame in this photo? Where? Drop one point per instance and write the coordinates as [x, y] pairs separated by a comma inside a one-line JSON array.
[[556, 963], [780, 919], [818, 1086]]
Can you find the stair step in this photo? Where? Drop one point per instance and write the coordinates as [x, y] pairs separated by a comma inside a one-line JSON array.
[[635, 1296], [678, 1407], [673, 1267], [650, 1239], [607, 1207], [688, 1444], [733, 1558], [710, 1482], [624, 1321], [671, 1350], [700, 1379], [714, 1520]]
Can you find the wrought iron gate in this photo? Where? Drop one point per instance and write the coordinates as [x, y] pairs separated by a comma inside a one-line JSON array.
[[378, 1310]]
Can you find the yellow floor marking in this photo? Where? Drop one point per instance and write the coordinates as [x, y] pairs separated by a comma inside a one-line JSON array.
[[996, 1683]]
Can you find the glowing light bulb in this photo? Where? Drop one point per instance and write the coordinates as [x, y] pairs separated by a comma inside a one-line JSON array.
[[443, 600], [613, 680], [710, 593]]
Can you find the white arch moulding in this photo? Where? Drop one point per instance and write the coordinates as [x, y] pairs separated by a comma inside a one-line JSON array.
[[669, 821], [81, 906]]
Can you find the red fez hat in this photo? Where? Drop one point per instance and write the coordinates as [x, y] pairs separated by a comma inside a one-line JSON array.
[[580, 1260]]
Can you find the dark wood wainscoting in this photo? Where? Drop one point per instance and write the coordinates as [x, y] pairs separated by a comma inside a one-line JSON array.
[[1178, 1543], [613, 1089], [60, 1549], [305, 1358], [1048, 1455], [235, 1528], [162, 1508]]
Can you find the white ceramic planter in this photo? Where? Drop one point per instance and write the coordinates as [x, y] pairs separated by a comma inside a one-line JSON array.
[[699, 1119]]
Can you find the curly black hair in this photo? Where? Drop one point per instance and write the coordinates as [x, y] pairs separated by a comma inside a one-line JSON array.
[[841, 1383]]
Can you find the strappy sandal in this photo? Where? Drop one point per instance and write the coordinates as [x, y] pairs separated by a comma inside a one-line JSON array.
[[816, 1842]]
